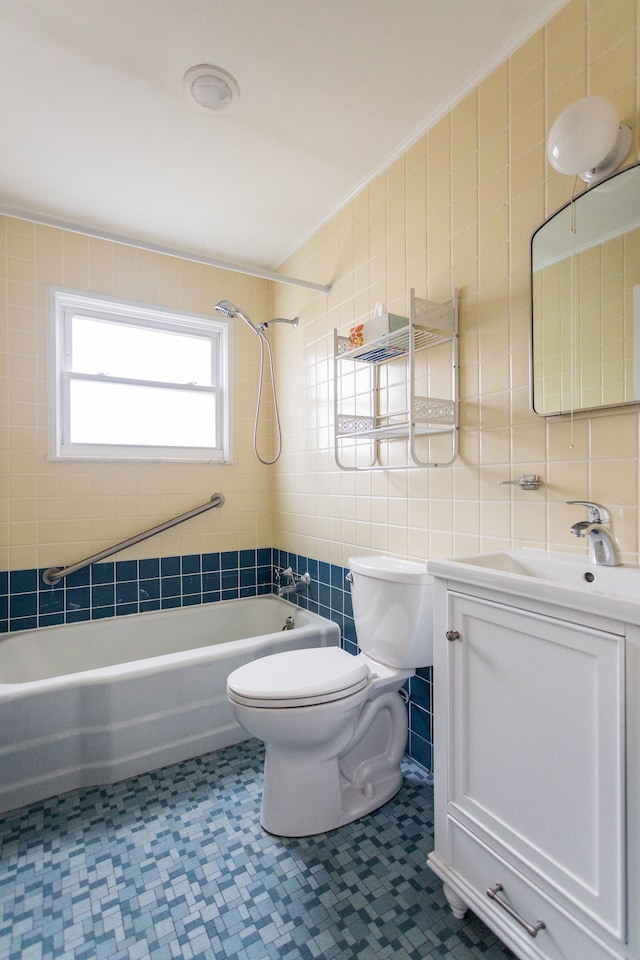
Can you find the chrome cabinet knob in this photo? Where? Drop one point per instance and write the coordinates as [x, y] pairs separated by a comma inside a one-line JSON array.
[[452, 635]]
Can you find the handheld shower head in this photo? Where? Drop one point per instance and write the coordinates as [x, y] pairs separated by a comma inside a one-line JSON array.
[[228, 309]]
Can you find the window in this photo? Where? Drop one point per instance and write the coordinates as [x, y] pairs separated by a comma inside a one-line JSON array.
[[136, 382]]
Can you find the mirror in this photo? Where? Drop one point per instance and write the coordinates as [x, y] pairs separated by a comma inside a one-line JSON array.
[[585, 300]]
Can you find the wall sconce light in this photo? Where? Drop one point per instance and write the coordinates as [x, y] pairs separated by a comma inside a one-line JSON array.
[[587, 140]]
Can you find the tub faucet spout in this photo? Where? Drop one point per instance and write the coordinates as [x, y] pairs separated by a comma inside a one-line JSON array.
[[287, 589]]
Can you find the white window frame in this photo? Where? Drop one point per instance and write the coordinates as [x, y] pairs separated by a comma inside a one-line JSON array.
[[63, 304]]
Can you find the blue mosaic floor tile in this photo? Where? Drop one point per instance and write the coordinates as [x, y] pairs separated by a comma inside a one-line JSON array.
[[174, 864]]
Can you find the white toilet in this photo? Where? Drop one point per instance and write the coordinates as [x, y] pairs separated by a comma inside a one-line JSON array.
[[335, 725]]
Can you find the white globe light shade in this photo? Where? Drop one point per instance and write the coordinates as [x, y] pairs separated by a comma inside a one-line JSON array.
[[587, 139]]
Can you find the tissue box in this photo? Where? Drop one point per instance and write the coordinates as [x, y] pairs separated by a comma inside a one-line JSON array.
[[375, 329]]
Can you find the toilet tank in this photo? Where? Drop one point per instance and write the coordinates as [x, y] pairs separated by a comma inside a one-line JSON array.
[[393, 610]]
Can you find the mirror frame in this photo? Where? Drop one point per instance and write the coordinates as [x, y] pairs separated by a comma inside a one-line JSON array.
[[576, 411]]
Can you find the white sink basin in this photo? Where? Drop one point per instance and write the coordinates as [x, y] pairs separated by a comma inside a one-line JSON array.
[[563, 578], [563, 568]]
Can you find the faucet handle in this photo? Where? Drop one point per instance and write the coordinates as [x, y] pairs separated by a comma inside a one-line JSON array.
[[597, 513]]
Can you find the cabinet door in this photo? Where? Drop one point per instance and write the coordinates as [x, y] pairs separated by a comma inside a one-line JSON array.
[[536, 749]]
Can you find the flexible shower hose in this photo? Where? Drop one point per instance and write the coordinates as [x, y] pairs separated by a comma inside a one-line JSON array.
[[263, 340]]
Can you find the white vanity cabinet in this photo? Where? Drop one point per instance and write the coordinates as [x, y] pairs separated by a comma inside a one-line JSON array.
[[534, 799]]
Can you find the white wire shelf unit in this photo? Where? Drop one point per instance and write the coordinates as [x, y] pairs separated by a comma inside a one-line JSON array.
[[386, 416]]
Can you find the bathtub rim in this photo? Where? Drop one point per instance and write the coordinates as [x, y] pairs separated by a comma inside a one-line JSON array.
[[166, 661]]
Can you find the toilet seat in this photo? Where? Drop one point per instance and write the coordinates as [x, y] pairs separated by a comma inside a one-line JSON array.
[[298, 678]]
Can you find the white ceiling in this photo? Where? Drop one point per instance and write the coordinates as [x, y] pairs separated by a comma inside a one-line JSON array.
[[96, 130]]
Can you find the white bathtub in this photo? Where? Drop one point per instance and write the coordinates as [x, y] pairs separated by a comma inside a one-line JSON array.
[[97, 702]]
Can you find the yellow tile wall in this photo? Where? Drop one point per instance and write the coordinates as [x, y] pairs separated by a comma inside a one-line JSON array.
[[54, 513], [458, 209]]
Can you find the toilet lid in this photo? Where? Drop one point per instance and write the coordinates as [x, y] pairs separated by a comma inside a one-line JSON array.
[[298, 678]]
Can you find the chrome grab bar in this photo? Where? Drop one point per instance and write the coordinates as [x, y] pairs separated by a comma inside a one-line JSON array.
[[52, 575]]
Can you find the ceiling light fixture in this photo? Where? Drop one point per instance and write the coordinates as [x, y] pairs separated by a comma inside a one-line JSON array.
[[587, 140], [211, 88]]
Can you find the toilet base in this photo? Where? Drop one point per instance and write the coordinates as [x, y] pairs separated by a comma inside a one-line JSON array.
[[305, 794], [340, 804]]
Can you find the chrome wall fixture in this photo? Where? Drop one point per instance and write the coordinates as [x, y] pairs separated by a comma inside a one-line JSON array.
[[527, 481], [293, 581]]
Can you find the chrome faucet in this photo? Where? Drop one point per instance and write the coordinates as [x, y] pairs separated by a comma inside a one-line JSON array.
[[603, 547], [288, 588], [294, 583]]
